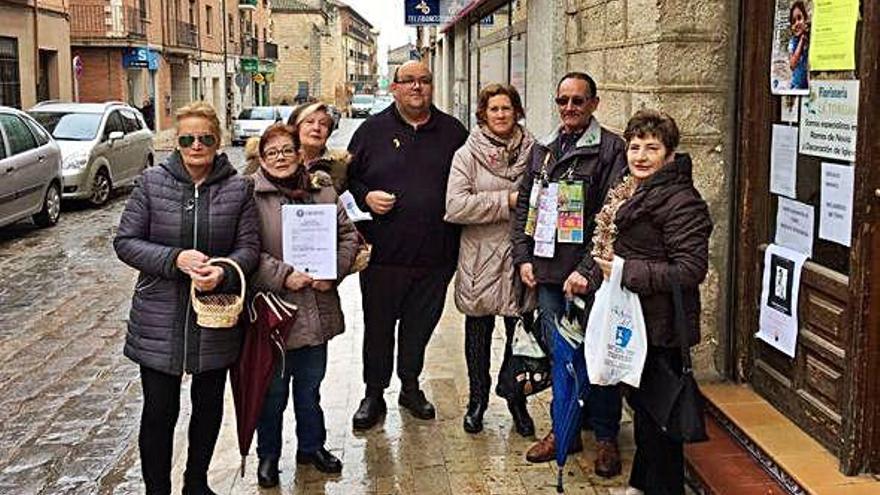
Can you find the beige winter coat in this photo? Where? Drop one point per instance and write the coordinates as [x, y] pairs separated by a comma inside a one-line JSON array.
[[320, 315], [484, 173]]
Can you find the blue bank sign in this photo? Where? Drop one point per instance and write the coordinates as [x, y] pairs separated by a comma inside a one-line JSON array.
[[140, 58], [422, 13]]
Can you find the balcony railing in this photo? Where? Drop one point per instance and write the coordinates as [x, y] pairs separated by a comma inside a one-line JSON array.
[[247, 4], [249, 46], [96, 22], [187, 35], [270, 51]]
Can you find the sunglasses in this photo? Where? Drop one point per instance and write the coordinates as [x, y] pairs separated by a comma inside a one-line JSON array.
[[187, 140], [575, 100]]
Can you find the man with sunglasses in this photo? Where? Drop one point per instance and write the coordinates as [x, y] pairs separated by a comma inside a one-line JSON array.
[[574, 166], [401, 162]]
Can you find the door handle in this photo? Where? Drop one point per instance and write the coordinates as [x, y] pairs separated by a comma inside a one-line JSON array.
[[41, 158], [9, 170]]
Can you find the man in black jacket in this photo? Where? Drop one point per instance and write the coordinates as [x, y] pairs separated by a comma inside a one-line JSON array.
[[401, 162], [581, 156]]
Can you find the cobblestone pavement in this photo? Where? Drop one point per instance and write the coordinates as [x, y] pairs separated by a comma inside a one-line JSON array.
[[70, 402]]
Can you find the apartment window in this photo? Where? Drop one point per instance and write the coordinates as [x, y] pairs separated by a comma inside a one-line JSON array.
[[195, 89], [231, 22], [209, 16], [10, 81], [192, 11]]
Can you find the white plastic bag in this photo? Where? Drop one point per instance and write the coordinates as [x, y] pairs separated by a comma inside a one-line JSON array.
[[524, 343], [616, 340]]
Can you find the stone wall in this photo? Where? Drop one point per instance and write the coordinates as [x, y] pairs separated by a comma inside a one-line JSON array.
[[676, 56], [294, 35]]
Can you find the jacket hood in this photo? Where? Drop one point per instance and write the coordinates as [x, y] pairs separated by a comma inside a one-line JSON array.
[[679, 171], [221, 169], [506, 159]]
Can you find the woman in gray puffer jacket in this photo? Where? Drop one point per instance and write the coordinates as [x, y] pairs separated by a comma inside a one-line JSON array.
[[481, 195], [190, 208]]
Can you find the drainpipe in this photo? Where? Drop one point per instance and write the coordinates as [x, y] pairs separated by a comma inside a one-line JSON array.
[[199, 47], [225, 65], [36, 47]]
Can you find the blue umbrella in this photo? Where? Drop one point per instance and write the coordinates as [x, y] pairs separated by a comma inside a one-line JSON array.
[[570, 386]]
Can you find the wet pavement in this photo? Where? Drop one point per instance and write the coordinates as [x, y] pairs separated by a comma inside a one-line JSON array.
[[70, 402]]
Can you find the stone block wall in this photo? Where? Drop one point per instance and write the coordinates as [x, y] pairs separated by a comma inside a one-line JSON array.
[[676, 56], [293, 34]]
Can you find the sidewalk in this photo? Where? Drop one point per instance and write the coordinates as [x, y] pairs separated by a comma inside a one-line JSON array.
[[408, 455]]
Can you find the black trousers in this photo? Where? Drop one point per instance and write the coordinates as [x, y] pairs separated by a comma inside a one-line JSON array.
[[658, 463], [156, 438], [415, 298], [478, 349]]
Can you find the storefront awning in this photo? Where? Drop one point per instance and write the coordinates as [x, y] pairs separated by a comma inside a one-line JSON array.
[[467, 9]]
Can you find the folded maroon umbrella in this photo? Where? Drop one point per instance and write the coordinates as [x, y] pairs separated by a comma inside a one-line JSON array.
[[269, 323]]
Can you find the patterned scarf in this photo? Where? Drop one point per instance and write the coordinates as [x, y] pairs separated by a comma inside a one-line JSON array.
[[295, 187], [606, 230]]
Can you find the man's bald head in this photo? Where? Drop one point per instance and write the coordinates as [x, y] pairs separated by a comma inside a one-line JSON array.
[[413, 89]]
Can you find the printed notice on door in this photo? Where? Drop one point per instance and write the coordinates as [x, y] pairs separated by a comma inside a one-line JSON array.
[[783, 160], [794, 225], [829, 120], [835, 214], [780, 289]]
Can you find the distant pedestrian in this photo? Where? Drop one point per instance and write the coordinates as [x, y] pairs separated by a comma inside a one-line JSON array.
[[283, 179], [656, 220], [149, 113], [579, 157], [481, 195], [400, 166], [313, 125], [190, 208]]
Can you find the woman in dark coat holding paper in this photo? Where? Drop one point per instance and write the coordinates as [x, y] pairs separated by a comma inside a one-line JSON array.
[[662, 225], [282, 179]]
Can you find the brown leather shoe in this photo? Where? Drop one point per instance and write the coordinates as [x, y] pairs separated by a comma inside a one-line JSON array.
[[545, 449], [607, 463]]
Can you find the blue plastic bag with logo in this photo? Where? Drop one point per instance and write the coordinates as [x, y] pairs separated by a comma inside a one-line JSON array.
[[616, 340]]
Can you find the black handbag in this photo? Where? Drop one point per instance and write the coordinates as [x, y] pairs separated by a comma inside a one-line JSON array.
[[671, 398]]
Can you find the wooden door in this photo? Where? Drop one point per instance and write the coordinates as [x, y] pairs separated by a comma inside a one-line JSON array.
[[830, 388]]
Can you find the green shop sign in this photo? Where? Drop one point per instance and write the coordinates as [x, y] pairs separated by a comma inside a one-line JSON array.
[[267, 67], [250, 65]]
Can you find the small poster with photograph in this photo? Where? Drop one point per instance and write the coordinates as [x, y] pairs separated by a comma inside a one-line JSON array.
[[780, 290], [789, 66]]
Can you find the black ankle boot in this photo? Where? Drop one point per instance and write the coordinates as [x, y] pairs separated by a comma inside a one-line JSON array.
[[267, 473], [523, 423], [473, 418]]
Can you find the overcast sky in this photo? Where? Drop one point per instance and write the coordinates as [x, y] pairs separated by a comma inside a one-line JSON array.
[[387, 16]]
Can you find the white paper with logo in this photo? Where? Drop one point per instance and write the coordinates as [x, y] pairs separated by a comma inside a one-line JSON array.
[[616, 340]]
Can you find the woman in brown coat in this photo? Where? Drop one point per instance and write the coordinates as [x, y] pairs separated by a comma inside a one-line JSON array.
[[655, 219], [480, 195], [282, 179]]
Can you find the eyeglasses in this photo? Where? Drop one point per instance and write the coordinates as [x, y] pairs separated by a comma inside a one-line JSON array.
[[411, 81], [575, 100], [274, 154], [187, 140]]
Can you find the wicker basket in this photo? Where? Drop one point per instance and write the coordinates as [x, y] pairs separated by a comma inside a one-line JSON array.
[[362, 257], [219, 310]]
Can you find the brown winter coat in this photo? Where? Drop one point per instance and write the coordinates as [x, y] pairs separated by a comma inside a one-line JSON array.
[[484, 173], [664, 226], [320, 315]]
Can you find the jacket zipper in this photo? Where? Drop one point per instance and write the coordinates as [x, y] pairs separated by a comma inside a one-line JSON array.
[[196, 247]]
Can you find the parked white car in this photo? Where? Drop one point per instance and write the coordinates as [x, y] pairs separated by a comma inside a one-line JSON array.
[[252, 122], [103, 146], [30, 171]]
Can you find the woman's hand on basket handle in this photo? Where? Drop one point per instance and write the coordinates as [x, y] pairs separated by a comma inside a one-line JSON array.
[[206, 277], [189, 260]]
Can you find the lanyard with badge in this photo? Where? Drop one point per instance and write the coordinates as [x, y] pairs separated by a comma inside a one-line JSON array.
[[556, 212]]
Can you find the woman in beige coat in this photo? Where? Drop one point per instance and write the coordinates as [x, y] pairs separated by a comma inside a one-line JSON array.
[[481, 195], [282, 179]]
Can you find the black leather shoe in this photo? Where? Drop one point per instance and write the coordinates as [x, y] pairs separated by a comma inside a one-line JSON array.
[[322, 459], [523, 423], [417, 404], [267, 473], [473, 418], [369, 413], [189, 490]]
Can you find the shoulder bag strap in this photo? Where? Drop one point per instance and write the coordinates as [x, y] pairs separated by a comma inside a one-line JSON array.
[[681, 323]]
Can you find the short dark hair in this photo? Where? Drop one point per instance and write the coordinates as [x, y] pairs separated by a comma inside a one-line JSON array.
[[583, 76], [496, 89], [278, 129], [660, 125], [797, 4]]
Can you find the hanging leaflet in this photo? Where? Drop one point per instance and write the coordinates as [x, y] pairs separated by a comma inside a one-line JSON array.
[[788, 110], [833, 35], [829, 120], [835, 213], [794, 226], [780, 289], [532, 216], [789, 56], [545, 228], [783, 160], [570, 226]]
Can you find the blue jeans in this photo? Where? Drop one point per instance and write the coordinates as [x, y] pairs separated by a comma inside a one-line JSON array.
[[604, 404], [304, 370]]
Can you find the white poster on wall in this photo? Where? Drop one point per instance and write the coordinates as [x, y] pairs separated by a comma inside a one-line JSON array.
[[829, 120], [794, 225], [835, 212], [788, 109], [780, 290], [783, 160]]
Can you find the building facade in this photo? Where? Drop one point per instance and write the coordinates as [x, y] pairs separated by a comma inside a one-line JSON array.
[[708, 64], [173, 52], [400, 55], [34, 46]]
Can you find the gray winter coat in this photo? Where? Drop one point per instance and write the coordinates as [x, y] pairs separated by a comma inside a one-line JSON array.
[[165, 215]]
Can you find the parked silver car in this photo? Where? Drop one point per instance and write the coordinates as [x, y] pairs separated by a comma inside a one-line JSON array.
[[30, 171], [103, 145], [253, 121]]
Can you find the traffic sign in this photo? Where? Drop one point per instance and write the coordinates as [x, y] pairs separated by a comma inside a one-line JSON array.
[[259, 79]]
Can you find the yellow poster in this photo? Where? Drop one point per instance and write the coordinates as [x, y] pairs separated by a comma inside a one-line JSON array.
[[833, 35]]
